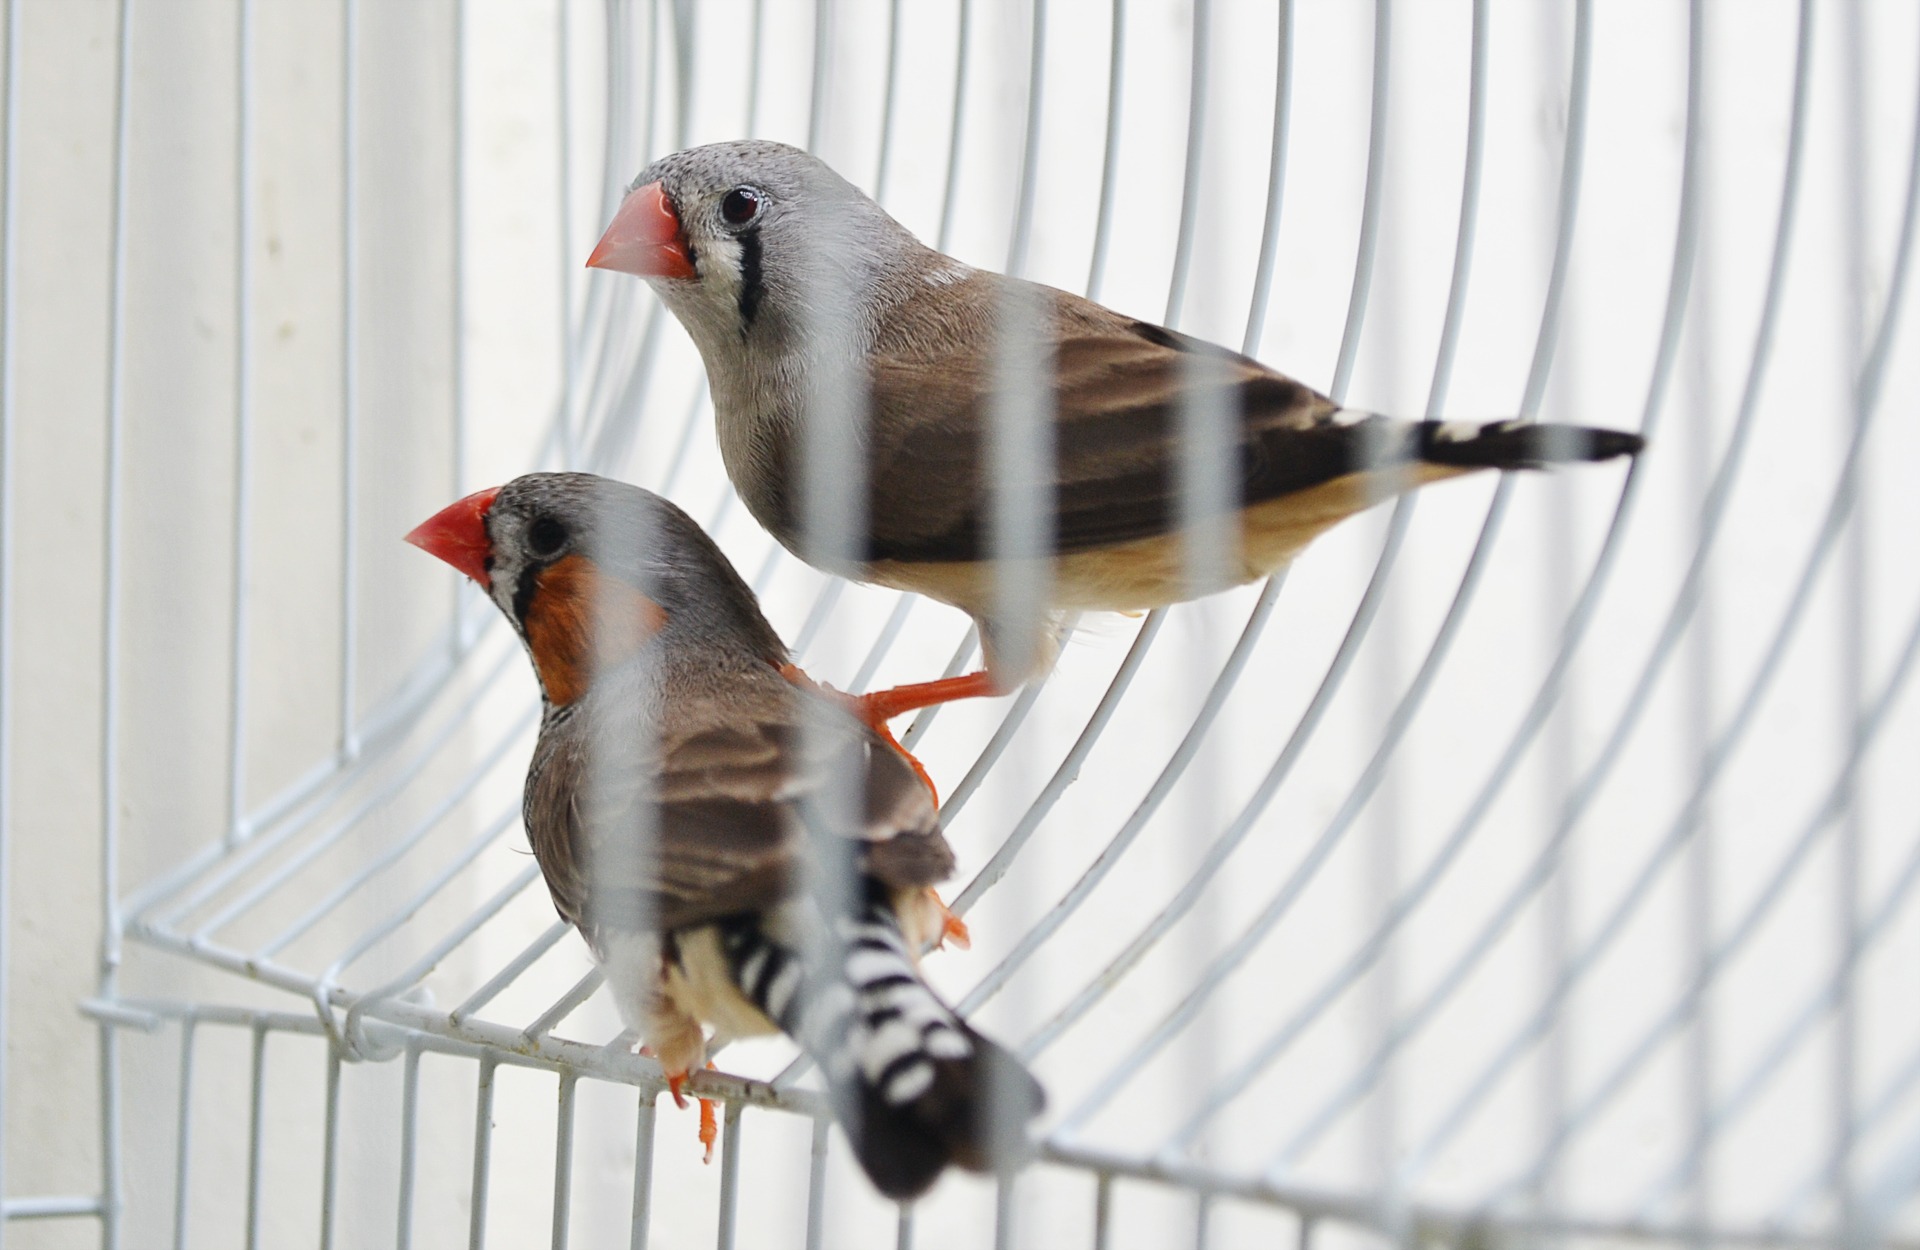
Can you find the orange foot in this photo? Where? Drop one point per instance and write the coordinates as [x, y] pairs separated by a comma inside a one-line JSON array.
[[952, 928], [709, 1121]]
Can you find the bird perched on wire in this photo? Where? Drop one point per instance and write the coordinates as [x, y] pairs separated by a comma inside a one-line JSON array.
[[784, 273], [739, 852]]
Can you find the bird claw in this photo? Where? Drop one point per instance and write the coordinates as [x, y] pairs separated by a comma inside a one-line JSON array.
[[952, 928], [709, 1118], [709, 1129]]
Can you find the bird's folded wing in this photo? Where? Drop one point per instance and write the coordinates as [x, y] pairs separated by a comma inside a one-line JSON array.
[[719, 825], [1118, 387]]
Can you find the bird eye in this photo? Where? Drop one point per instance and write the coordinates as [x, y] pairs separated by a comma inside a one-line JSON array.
[[741, 206], [546, 536]]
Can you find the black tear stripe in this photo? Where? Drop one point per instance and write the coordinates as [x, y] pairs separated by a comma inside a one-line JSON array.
[[750, 286], [523, 595]]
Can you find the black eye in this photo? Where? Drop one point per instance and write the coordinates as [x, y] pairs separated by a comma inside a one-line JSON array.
[[546, 536], [741, 206]]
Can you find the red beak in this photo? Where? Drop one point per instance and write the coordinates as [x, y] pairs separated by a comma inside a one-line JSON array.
[[644, 238], [458, 534]]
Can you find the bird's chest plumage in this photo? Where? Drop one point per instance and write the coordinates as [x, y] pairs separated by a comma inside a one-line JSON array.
[[766, 406]]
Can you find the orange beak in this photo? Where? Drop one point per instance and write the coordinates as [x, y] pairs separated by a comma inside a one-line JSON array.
[[644, 238], [458, 534]]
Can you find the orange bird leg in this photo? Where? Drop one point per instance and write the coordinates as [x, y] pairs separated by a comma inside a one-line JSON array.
[[883, 705], [873, 709], [709, 1129], [709, 1121]]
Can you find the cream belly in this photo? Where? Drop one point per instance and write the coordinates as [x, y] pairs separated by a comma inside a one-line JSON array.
[[1150, 572]]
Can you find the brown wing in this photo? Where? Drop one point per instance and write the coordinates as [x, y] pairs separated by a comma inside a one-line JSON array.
[[1118, 384], [724, 808]]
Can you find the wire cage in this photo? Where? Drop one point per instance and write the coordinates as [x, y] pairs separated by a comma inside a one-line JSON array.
[[1531, 862]]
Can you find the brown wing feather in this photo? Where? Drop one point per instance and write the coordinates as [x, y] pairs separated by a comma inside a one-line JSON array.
[[1118, 387], [724, 803]]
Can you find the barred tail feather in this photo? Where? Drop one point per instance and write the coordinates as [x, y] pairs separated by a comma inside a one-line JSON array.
[[913, 1086], [1518, 444]]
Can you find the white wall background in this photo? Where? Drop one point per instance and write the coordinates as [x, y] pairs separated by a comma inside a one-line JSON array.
[[383, 341]]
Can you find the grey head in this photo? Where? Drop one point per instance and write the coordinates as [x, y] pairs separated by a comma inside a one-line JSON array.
[[776, 252], [574, 553]]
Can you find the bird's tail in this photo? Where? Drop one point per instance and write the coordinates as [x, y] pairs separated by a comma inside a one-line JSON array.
[[913, 1086], [1514, 444]]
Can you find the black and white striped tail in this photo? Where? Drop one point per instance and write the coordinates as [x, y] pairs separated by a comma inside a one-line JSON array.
[[1374, 441], [913, 1086], [1518, 444]]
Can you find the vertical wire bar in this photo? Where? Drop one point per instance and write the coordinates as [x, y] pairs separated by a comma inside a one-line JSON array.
[[643, 1171], [409, 1146], [1202, 1221], [753, 66], [685, 13], [256, 1107], [1700, 869], [1380, 835], [1557, 769], [820, 91], [243, 423], [887, 103], [563, 1158], [330, 1142], [183, 1136], [817, 1184], [729, 1177], [482, 1153], [1103, 1211], [110, 920], [8, 258], [1004, 1212], [572, 423], [457, 354], [349, 369], [903, 1228], [1851, 833]]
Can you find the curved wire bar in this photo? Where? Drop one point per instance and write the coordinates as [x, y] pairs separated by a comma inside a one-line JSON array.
[[1236, 952], [1830, 809], [1535, 718], [1110, 150], [1729, 737], [1867, 393], [1197, 81], [1415, 694], [1190, 744], [1746, 1091], [1370, 204]]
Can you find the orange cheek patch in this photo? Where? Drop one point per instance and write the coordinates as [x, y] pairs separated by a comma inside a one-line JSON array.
[[580, 621]]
